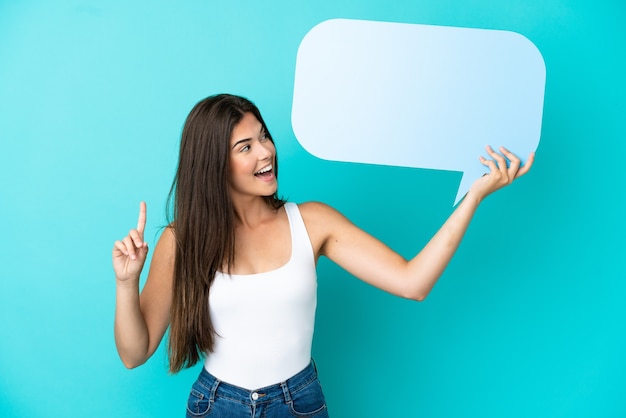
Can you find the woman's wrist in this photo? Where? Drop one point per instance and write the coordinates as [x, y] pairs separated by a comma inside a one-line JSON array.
[[127, 283], [473, 197]]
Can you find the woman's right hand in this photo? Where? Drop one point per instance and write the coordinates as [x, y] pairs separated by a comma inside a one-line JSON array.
[[129, 254]]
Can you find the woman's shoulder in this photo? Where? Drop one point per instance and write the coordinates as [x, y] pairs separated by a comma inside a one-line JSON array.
[[167, 239], [314, 208], [319, 213], [320, 221]]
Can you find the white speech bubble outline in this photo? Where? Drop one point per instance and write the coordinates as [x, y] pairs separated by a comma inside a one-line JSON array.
[[416, 95]]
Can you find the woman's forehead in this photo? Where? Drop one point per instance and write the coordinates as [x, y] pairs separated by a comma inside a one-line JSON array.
[[248, 127]]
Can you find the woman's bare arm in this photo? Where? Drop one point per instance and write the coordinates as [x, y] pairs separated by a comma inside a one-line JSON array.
[[367, 258], [141, 320]]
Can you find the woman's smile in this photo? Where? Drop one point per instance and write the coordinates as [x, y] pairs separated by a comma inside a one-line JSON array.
[[266, 173]]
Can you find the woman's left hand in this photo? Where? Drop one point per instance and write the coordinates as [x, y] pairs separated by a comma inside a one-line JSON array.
[[500, 174]]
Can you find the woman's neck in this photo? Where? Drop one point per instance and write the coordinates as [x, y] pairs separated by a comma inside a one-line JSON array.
[[252, 212]]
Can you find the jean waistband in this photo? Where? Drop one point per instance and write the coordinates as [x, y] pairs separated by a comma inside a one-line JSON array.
[[269, 393]]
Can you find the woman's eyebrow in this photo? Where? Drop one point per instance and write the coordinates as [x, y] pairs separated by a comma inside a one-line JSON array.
[[240, 141], [261, 131]]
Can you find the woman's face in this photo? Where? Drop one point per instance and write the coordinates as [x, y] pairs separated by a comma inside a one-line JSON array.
[[252, 157]]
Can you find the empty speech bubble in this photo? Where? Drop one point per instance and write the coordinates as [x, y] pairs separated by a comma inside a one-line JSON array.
[[416, 95]]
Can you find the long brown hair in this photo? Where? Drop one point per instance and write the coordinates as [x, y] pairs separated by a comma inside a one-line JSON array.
[[203, 221]]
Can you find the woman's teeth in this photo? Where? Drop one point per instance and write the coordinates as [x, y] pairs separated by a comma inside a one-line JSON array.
[[264, 170]]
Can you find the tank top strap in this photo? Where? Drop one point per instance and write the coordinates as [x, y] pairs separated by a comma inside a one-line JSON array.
[[300, 241]]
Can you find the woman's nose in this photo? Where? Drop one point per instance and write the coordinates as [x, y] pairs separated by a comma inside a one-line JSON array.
[[265, 150]]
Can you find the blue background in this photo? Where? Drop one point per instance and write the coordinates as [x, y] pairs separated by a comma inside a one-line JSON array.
[[528, 320]]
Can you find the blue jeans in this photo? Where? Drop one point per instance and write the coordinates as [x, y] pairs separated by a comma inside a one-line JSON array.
[[298, 396]]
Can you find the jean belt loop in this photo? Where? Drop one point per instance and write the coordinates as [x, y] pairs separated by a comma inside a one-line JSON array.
[[285, 389], [314, 365], [214, 389]]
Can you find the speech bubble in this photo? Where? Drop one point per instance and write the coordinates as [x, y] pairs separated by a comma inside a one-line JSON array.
[[417, 96]]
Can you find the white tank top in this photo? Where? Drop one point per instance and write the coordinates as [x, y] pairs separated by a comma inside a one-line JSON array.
[[264, 322]]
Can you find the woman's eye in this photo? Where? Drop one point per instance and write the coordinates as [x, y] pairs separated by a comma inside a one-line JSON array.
[[264, 137], [245, 148]]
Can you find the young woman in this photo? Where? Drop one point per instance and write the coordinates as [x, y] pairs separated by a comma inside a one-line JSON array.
[[233, 275]]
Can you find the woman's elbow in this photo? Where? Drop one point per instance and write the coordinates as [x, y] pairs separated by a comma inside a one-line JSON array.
[[132, 363], [418, 295]]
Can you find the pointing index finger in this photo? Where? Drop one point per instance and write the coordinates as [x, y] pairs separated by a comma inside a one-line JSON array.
[[141, 222]]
